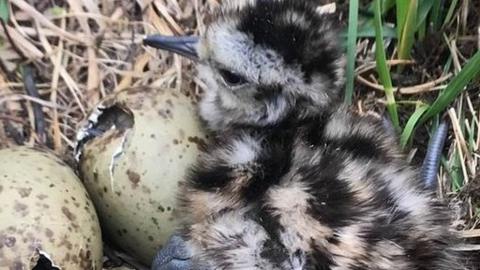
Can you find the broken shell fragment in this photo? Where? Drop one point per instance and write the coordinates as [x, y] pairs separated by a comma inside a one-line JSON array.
[[133, 151], [47, 218]]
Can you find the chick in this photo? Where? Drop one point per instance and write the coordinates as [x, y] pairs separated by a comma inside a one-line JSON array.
[[294, 179]]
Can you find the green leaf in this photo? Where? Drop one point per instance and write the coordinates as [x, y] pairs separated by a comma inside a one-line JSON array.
[[57, 10], [424, 8], [449, 15], [401, 11], [408, 27], [368, 30], [4, 11], [457, 174], [434, 18], [386, 6], [411, 123], [382, 66], [422, 30], [351, 49], [471, 138], [470, 71]]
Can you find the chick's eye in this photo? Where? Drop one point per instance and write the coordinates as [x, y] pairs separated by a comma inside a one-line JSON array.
[[231, 78]]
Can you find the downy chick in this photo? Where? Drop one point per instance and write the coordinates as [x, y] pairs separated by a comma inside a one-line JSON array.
[[294, 179]]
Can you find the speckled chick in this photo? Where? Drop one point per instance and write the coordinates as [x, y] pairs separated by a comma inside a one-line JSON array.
[[294, 179]]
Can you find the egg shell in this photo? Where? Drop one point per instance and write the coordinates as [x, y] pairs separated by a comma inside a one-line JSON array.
[[45, 211], [132, 170]]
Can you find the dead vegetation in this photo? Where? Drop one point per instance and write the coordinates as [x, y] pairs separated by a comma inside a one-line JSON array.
[[60, 57]]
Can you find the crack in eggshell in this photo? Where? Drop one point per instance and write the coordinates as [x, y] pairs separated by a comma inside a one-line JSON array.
[[115, 157], [106, 115], [48, 257], [84, 132]]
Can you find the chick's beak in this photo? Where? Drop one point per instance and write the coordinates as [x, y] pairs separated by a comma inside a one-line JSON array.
[[183, 45], [175, 255]]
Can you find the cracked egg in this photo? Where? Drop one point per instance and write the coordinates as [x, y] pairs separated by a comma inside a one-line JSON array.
[[133, 151], [47, 218]]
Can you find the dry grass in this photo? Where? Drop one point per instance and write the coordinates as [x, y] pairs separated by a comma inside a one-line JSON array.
[[83, 50]]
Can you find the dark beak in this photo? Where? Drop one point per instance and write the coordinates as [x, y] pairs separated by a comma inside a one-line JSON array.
[[183, 45]]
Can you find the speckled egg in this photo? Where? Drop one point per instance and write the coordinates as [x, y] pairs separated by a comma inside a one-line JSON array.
[[134, 150], [46, 216]]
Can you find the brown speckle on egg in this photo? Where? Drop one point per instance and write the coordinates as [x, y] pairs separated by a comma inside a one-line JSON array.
[[133, 177], [95, 177], [146, 189], [20, 208], [68, 214], [18, 265], [201, 144], [9, 241], [66, 243], [163, 114], [35, 220], [41, 196], [141, 167], [48, 233]]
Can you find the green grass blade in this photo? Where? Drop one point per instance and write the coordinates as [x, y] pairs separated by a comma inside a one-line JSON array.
[[4, 11], [471, 136], [424, 7], [422, 30], [401, 11], [449, 15], [470, 71], [446, 166], [407, 36], [448, 64], [411, 123], [382, 66], [434, 18], [368, 30], [386, 6], [457, 174], [351, 49]]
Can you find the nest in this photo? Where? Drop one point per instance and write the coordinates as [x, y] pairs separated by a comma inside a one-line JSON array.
[[59, 58]]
